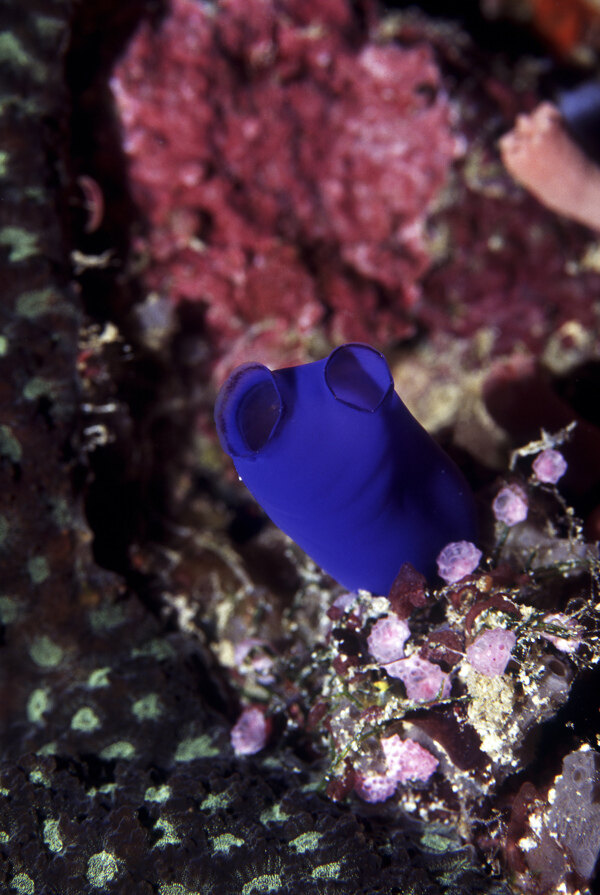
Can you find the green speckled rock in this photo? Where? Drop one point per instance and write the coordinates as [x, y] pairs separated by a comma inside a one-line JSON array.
[[116, 770]]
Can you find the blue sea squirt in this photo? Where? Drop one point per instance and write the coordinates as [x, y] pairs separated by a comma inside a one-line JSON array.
[[336, 460]]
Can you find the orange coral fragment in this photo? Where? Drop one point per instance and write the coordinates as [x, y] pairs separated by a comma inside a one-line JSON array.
[[562, 23], [542, 157]]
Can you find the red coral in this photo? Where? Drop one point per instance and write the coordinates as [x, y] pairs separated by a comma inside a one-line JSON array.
[[443, 647], [407, 591], [517, 826], [285, 166]]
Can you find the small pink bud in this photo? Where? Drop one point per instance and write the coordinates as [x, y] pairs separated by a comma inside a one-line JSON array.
[[549, 466], [510, 505], [404, 760], [423, 680], [250, 731], [375, 787], [457, 560], [489, 653], [407, 760], [387, 638]]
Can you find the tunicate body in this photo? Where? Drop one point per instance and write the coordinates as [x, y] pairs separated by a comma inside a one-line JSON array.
[[337, 461]]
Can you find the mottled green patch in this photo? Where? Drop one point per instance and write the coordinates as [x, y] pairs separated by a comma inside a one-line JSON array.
[[175, 889], [35, 193], [40, 301], [459, 865], [148, 708], [157, 648], [4, 529], [38, 569], [4, 837], [102, 869], [327, 871], [50, 748], [45, 652], [4, 791], [196, 747], [30, 106], [432, 841], [107, 616], [12, 50], [215, 800], [4, 159], [38, 387], [313, 786], [52, 836], [39, 776], [10, 608], [3, 346], [225, 843], [306, 841], [48, 27], [10, 447], [22, 244], [14, 53], [109, 788], [268, 882], [99, 678], [37, 705], [61, 513], [120, 749], [273, 815], [23, 884], [85, 719], [169, 833], [158, 793]]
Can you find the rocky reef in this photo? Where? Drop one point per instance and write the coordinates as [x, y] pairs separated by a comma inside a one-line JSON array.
[[188, 703]]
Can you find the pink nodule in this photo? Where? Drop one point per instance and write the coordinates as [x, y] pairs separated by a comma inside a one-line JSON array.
[[407, 760], [387, 638], [424, 681], [250, 731], [404, 760], [510, 505], [549, 467], [489, 653], [457, 560]]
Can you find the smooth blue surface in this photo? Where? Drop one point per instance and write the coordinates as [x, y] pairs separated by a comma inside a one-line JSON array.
[[580, 109], [336, 460]]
